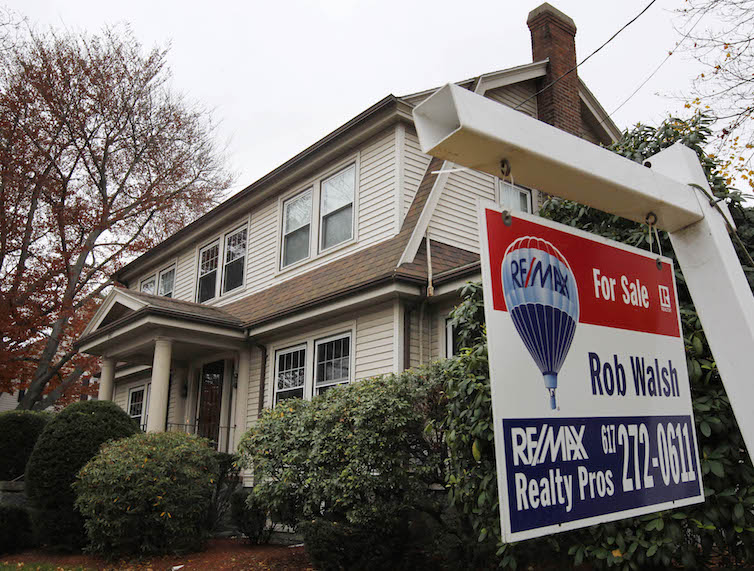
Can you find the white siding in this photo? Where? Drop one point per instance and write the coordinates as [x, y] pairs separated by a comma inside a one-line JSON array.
[[415, 165], [120, 391], [185, 276], [374, 343], [515, 95], [8, 401], [454, 220]]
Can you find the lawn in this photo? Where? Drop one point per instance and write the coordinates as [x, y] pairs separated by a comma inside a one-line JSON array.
[[219, 555]]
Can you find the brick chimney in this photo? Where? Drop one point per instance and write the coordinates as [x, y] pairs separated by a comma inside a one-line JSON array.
[[553, 36]]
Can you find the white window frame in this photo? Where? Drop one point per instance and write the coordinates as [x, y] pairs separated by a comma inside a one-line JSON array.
[[284, 351], [315, 226], [209, 245], [159, 280], [322, 341], [320, 224], [152, 277], [310, 191], [225, 263], [449, 337], [144, 403], [522, 191]]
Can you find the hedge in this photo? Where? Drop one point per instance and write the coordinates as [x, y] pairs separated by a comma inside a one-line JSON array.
[[19, 430]]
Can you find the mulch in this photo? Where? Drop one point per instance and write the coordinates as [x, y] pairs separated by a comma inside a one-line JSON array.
[[219, 555]]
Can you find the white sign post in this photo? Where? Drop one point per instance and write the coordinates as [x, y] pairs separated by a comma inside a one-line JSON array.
[[457, 125], [590, 394]]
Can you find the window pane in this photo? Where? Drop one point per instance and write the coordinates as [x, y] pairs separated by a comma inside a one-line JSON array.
[[167, 279], [148, 286], [524, 201], [337, 191], [337, 227], [207, 286], [235, 246], [208, 259], [233, 275], [298, 212], [296, 246], [290, 375], [333, 361]]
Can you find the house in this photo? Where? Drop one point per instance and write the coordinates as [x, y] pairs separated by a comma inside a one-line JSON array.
[[341, 264]]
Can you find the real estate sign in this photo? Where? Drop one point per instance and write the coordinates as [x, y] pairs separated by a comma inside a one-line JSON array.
[[590, 394]]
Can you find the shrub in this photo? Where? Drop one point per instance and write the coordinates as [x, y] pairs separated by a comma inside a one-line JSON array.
[[249, 517], [15, 529], [344, 457], [68, 442], [226, 484], [147, 495], [19, 430]]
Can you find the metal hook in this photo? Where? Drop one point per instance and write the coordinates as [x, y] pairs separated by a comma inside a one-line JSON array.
[[507, 218], [505, 168]]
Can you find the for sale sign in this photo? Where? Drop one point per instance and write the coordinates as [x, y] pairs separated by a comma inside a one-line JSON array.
[[591, 401]]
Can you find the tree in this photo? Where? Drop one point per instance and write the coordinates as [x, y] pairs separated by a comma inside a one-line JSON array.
[[99, 161], [720, 35]]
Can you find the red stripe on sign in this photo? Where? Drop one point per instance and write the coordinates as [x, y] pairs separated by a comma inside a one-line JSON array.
[[616, 288]]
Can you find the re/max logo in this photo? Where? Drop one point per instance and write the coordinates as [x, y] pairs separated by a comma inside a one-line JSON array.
[[525, 275]]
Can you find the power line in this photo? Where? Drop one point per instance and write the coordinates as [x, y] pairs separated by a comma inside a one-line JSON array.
[[574, 68], [651, 75]]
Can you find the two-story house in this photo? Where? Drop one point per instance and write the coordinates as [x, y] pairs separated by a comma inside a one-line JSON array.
[[341, 264]]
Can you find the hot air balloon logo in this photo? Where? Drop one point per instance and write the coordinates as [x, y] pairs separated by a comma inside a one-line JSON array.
[[543, 300]]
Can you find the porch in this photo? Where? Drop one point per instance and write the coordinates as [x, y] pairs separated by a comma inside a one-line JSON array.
[[175, 366]]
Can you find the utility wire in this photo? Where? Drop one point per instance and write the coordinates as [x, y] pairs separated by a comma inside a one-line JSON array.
[[651, 75], [574, 68]]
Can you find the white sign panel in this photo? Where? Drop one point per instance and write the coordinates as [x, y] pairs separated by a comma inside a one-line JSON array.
[[590, 393]]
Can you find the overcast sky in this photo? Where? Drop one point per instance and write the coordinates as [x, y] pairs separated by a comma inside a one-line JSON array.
[[280, 75]]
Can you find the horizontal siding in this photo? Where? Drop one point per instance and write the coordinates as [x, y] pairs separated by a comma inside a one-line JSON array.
[[414, 166], [8, 401], [454, 220], [252, 398], [374, 342], [185, 275], [120, 391], [515, 95]]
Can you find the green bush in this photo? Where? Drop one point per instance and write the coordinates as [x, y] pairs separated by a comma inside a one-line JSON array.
[[19, 430], [361, 453], [147, 495], [68, 442], [249, 517], [226, 484], [15, 529]]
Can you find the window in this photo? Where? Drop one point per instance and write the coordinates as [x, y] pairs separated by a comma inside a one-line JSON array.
[[336, 208], [138, 403], [452, 342], [515, 198], [148, 285], [290, 373], [332, 362], [167, 282], [297, 216], [235, 255], [208, 258]]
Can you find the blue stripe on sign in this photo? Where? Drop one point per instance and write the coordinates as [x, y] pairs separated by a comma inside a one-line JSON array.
[[566, 469]]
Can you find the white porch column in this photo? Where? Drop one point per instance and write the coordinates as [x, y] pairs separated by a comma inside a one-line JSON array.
[[158, 398], [106, 379], [242, 394]]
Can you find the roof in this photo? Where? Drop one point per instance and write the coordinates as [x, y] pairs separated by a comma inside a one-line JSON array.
[[178, 306]]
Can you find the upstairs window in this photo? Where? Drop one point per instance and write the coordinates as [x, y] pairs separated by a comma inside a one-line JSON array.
[[297, 216], [167, 282], [515, 198], [290, 373], [332, 362], [208, 258], [336, 208], [148, 285], [235, 255]]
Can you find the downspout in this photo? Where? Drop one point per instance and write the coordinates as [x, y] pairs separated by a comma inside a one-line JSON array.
[[262, 378], [430, 293]]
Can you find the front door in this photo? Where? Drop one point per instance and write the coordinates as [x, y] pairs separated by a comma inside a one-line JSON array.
[[210, 400]]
